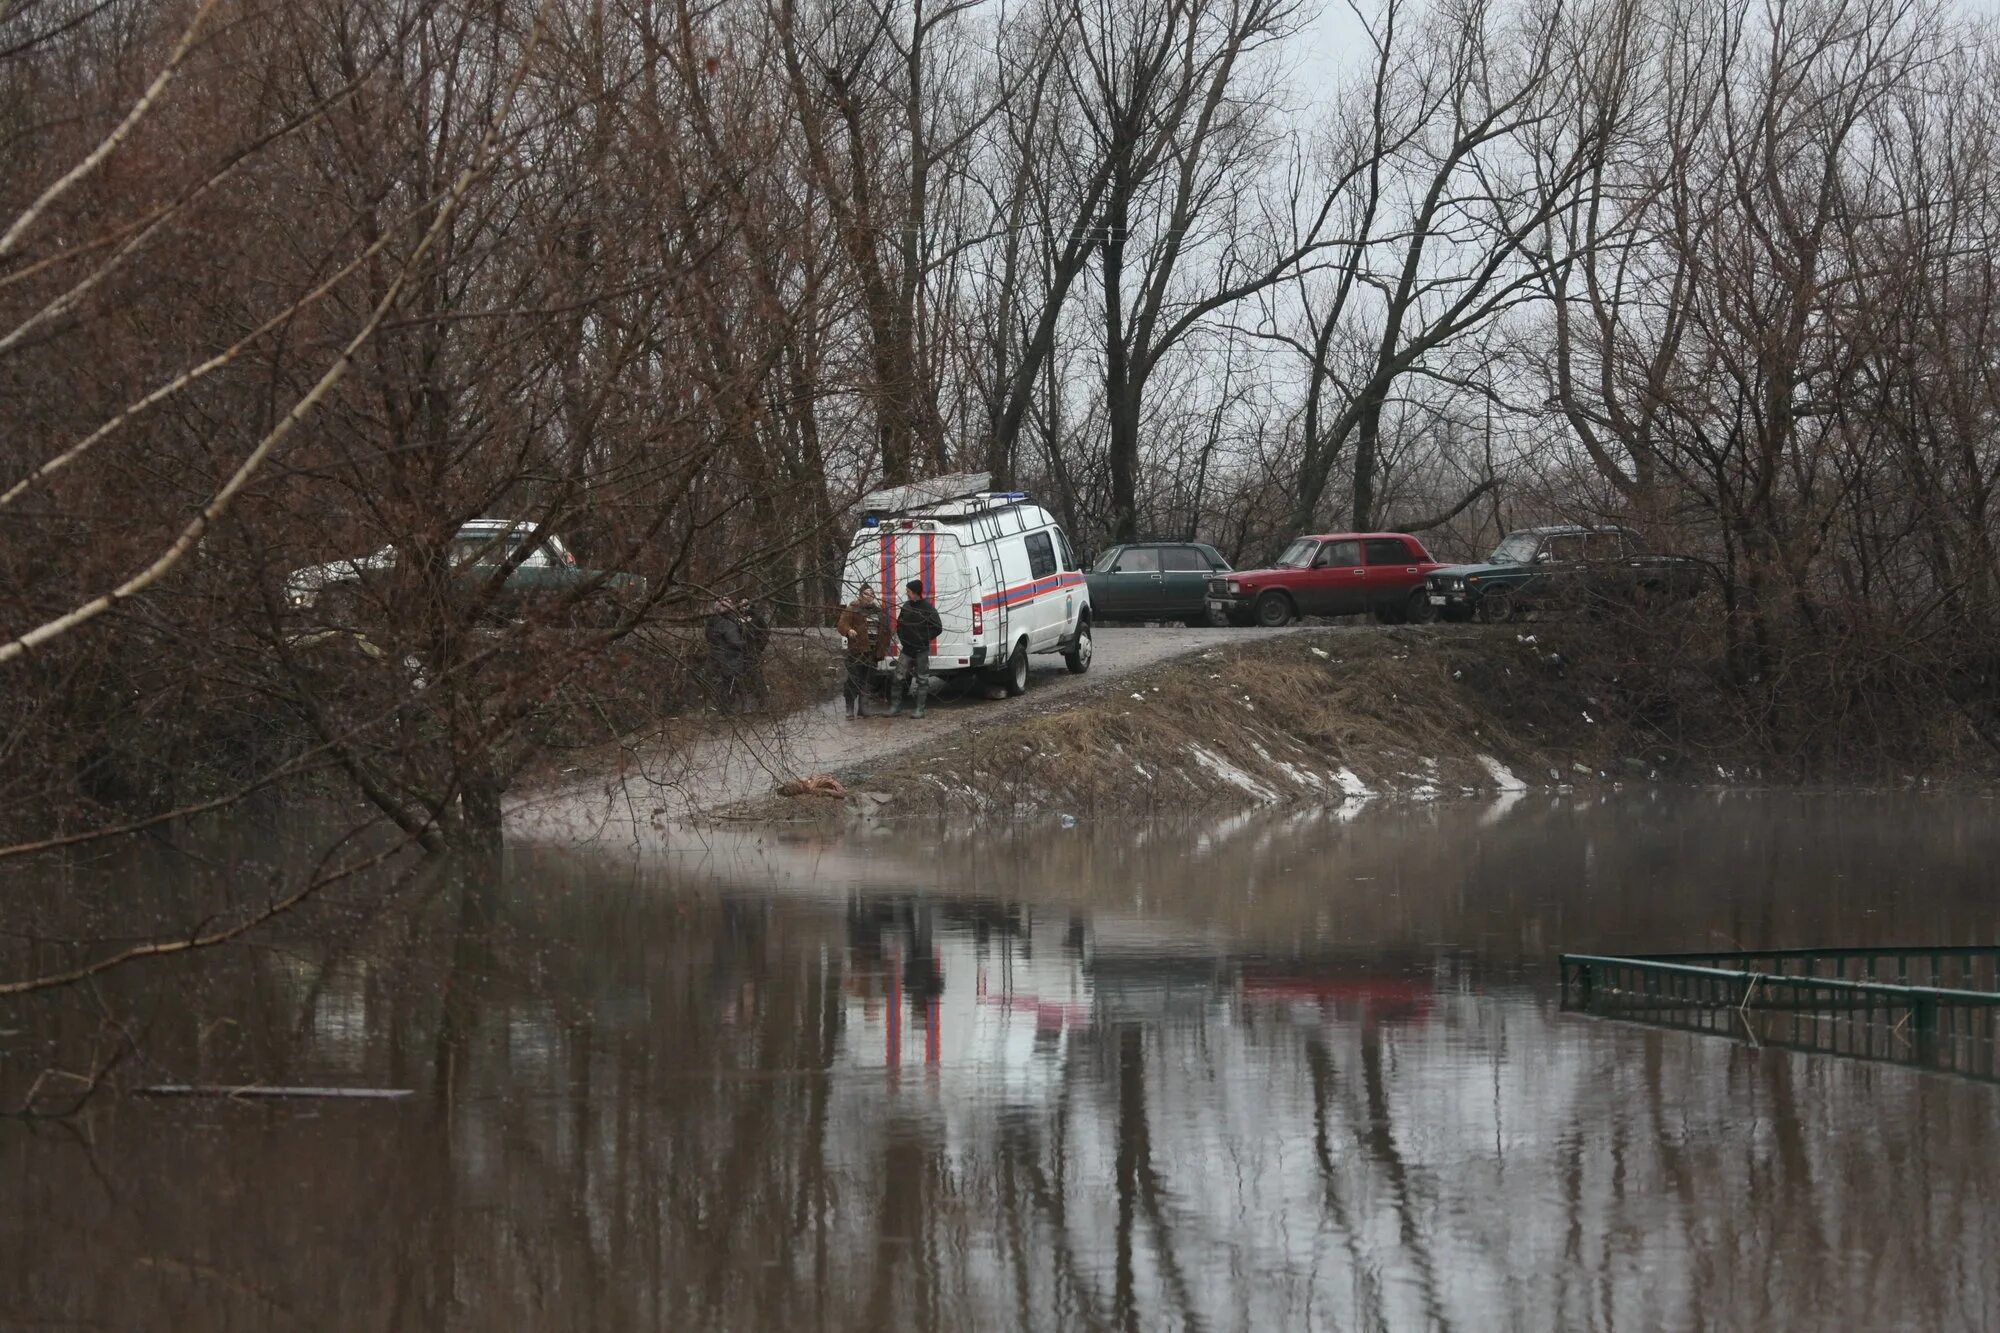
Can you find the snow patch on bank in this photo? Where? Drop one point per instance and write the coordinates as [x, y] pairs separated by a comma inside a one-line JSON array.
[[1231, 774], [1426, 788], [1351, 785], [1297, 776], [1302, 777], [1502, 777]]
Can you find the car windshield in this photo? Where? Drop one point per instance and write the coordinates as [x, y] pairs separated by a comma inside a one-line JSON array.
[[1517, 549], [1299, 555]]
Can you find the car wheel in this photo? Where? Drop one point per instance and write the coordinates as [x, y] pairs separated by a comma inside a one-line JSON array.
[[1274, 609], [1417, 608], [1497, 606], [1077, 659], [1017, 671]]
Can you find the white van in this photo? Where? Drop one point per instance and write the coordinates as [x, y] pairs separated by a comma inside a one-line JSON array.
[[997, 567]]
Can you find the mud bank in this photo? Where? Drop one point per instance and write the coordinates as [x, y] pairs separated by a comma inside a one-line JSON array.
[[1337, 714]]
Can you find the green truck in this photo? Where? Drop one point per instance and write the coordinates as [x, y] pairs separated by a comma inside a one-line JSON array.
[[1560, 566]]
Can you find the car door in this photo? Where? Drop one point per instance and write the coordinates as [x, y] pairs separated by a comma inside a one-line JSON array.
[[1559, 568], [1135, 580], [1306, 578], [1605, 574], [1107, 592], [1340, 579], [1393, 572], [1183, 581]]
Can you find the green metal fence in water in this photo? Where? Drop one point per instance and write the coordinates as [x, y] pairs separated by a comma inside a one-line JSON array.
[[1936, 1007]]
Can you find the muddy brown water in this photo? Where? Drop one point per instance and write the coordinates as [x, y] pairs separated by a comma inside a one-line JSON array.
[[1304, 1070]]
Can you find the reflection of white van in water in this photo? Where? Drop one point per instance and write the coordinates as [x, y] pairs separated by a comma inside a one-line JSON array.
[[995, 564]]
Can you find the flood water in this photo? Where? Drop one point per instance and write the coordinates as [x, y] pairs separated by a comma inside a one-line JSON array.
[[1298, 1071]]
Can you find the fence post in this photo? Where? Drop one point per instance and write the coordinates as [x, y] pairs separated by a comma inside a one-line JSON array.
[[1923, 1023]]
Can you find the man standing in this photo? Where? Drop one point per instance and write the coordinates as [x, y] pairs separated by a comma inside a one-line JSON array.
[[860, 626], [917, 623], [756, 638], [728, 655]]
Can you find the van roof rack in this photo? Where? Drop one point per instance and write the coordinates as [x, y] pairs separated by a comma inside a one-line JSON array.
[[967, 489]]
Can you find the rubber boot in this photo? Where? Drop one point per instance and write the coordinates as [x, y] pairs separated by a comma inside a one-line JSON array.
[[895, 702], [918, 692]]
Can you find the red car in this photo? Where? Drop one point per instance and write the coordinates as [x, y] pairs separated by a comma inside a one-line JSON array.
[[1335, 574]]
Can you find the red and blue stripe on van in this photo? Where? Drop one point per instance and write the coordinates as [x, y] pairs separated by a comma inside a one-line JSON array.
[[1023, 593], [892, 593]]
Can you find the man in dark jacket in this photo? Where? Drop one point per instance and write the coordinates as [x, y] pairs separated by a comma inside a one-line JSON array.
[[728, 655], [917, 623], [756, 619]]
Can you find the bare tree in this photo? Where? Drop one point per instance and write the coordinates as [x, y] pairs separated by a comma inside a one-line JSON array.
[[1171, 97], [889, 99], [1459, 154]]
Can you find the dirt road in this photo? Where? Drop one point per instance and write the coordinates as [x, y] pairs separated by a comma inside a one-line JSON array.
[[658, 786]]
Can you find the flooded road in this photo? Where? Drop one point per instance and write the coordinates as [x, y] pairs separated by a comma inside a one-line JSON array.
[[1299, 1071]]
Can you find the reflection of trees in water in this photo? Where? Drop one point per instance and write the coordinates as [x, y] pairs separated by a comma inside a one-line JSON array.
[[1379, 1139], [1333, 1201], [636, 1113], [1139, 1188], [1034, 1187]]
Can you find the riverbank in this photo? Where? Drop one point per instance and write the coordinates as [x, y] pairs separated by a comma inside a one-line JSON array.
[[703, 767], [1341, 713]]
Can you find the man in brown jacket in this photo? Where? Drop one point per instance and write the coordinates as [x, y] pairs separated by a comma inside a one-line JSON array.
[[862, 626]]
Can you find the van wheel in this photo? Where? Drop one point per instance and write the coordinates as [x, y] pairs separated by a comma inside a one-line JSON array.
[[1274, 609], [1017, 671], [1077, 659]]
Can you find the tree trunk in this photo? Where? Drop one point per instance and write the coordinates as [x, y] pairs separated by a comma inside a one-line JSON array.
[[479, 806], [1367, 452], [1121, 399]]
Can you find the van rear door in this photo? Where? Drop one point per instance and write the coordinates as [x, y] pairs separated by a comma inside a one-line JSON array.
[[891, 555]]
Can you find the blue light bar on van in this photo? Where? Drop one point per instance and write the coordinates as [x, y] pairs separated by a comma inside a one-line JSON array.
[[870, 521]]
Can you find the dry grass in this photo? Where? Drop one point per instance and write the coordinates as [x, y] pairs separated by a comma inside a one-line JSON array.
[[1318, 716], [1311, 717], [652, 688]]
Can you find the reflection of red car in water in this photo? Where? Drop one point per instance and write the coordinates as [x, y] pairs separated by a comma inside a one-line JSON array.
[[1394, 999], [1049, 1015]]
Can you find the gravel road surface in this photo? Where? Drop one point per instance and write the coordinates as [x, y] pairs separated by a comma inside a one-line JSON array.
[[655, 788]]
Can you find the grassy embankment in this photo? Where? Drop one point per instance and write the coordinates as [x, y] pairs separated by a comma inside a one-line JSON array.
[[1339, 712]]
